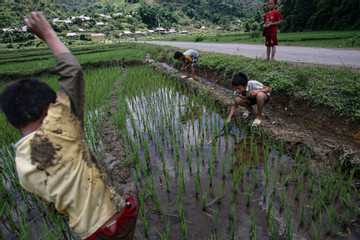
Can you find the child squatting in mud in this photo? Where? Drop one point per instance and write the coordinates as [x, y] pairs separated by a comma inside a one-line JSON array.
[[248, 93], [52, 158], [189, 58]]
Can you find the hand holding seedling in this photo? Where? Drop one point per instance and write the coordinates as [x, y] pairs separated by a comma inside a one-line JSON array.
[[41, 28]]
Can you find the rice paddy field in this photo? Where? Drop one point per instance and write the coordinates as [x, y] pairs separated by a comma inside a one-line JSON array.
[[198, 177]]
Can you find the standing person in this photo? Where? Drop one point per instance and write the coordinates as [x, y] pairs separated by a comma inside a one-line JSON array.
[[52, 158], [189, 58], [248, 93], [272, 19]]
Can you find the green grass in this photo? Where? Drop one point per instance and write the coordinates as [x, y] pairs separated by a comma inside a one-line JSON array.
[[333, 87], [339, 39]]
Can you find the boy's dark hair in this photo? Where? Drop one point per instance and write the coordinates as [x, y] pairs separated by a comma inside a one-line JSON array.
[[275, 1], [24, 100], [178, 54], [240, 79]]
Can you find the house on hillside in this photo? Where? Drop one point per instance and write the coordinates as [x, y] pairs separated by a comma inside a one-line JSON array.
[[105, 16], [126, 33], [184, 32], [97, 36], [82, 30], [85, 18], [161, 30], [138, 33], [100, 24], [151, 31], [117, 14], [172, 31], [71, 35], [23, 29], [203, 28], [68, 22], [57, 20]]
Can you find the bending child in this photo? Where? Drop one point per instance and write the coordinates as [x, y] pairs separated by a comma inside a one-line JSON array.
[[272, 19], [248, 93], [189, 58], [52, 158]]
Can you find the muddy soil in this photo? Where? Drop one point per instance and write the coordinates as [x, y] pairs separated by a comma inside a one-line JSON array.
[[315, 129], [114, 153]]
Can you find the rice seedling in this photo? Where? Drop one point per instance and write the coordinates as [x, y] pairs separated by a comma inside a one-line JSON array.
[[252, 231], [204, 201], [249, 194], [288, 223], [302, 216], [299, 190], [318, 230], [143, 213], [223, 168], [233, 229], [271, 227]]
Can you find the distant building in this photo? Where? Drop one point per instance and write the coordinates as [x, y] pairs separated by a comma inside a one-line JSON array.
[[57, 20], [138, 33], [85, 18], [100, 24], [97, 36], [161, 30], [184, 32], [118, 14], [204, 28], [172, 31], [71, 35], [82, 30], [24, 29], [8, 29], [151, 31], [69, 22], [105, 16]]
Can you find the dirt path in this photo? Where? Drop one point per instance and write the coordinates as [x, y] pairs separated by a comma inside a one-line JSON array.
[[349, 58]]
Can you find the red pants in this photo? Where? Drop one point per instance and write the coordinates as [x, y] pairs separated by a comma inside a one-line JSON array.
[[125, 224], [271, 40]]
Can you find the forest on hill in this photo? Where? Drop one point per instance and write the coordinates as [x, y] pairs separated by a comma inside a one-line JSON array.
[[298, 15]]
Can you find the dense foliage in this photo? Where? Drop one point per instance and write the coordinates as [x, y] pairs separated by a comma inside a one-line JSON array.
[[302, 15]]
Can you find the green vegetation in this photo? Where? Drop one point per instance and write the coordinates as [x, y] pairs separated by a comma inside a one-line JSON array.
[[242, 174], [340, 39], [233, 21], [332, 87], [302, 15], [165, 113]]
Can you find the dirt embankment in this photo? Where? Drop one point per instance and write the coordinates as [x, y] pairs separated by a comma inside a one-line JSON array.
[[315, 129]]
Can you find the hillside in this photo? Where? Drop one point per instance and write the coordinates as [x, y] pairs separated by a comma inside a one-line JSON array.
[[171, 13]]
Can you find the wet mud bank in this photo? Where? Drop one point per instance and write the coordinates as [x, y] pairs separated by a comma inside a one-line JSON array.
[[315, 129]]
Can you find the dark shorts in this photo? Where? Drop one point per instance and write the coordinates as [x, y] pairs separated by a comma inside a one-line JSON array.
[[253, 100], [125, 224], [271, 41]]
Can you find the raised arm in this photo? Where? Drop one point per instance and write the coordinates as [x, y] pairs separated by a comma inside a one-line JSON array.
[[39, 26], [71, 79]]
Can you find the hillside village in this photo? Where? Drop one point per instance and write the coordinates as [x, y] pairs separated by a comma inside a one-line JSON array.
[[100, 28]]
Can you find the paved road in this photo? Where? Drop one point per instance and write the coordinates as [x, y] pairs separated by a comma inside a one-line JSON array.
[[309, 55]]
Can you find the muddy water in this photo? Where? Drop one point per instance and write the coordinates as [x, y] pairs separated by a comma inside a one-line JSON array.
[[246, 187], [284, 116]]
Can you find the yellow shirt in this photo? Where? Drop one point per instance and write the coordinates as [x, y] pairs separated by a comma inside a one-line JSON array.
[[55, 164]]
